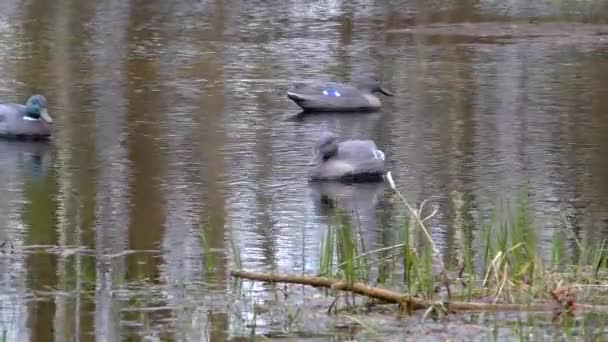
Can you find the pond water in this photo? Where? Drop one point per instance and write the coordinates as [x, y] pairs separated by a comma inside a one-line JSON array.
[[174, 144]]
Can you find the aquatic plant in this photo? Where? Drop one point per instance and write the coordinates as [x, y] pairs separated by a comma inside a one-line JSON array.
[[208, 255], [510, 272]]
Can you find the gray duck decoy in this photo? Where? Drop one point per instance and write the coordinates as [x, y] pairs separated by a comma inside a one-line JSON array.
[[31, 120], [318, 96], [350, 160]]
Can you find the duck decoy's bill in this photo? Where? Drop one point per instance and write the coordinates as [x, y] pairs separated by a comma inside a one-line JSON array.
[[385, 91], [44, 115]]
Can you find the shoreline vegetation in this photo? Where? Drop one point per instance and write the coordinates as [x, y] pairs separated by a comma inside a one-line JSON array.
[[513, 275]]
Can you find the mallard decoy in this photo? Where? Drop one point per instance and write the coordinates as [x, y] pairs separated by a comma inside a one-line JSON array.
[[31, 120], [349, 160], [337, 97]]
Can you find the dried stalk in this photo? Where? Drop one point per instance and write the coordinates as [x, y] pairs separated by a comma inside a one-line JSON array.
[[412, 303]]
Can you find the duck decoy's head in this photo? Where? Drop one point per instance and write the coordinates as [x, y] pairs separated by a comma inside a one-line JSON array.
[[36, 108], [373, 86], [326, 147]]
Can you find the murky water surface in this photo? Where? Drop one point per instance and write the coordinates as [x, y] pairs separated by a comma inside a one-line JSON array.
[[174, 143]]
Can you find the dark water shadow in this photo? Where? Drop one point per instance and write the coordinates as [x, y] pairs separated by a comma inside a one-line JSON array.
[[304, 116], [356, 198], [352, 205], [33, 157], [346, 125]]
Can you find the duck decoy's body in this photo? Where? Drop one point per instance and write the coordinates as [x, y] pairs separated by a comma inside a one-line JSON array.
[[337, 97], [350, 160], [31, 120]]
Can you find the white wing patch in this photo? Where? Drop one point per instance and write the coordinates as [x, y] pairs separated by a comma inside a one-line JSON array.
[[29, 119], [378, 154]]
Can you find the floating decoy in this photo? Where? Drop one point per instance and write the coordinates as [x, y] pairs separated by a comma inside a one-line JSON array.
[[31, 120], [337, 97], [349, 160]]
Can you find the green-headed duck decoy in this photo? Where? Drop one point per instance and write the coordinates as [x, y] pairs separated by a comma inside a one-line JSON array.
[[337, 97], [349, 160], [31, 120]]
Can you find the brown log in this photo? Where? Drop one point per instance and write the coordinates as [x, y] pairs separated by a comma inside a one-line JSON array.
[[411, 303]]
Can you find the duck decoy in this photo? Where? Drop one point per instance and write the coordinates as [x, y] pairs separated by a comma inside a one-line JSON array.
[[337, 97], [31, 120], [349, 160]]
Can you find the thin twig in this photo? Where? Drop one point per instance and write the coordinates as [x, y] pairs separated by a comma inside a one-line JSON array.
[[416, 215]]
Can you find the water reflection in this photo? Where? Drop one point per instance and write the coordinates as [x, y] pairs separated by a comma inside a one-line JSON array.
[[26, 215], [346, 125], [31, 159], [357, 201]]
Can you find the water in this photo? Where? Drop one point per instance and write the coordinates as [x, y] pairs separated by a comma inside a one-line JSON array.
[[171, 117]]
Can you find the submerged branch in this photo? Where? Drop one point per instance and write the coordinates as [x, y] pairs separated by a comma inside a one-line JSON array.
[[412, 303]]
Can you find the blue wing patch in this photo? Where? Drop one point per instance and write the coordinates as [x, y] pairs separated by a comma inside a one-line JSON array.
[[331, 92]]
